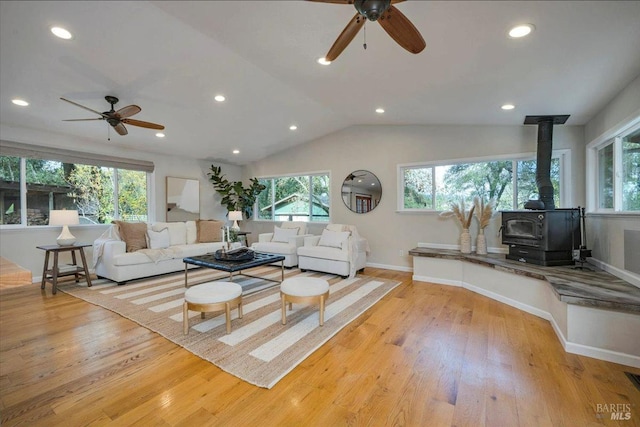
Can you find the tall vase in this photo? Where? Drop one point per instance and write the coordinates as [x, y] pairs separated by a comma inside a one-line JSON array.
[[481, 243], [465, 241]]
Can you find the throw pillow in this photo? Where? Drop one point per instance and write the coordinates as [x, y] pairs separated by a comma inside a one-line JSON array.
[[192, 233], [283, 234], [134, 234], [159, 239], [333, 239], [209, 231]]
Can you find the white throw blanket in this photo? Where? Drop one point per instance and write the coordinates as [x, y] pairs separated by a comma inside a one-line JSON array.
[[111, 234], [354, 241]]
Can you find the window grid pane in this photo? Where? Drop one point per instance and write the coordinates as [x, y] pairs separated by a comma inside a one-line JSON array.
[[294, 198], [10, 195], [605, 177], [631, 172]]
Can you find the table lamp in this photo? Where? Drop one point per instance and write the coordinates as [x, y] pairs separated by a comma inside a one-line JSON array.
[[65, 218], [235, 216]]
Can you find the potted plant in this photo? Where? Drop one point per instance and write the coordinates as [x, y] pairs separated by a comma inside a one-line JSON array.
[[458, 210], [234, 195], [484, 212]]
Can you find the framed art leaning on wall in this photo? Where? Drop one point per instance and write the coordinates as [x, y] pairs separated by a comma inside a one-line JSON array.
[[183, 199]]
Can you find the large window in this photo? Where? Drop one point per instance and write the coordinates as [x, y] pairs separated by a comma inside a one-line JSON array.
[[294, 198], [30, 188], [511, 182], [618, 173]]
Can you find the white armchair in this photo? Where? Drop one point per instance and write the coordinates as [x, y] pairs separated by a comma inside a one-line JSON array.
[[340, 250], [285, 240]]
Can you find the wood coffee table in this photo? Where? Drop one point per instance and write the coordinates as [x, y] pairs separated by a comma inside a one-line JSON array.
[[210, 261]]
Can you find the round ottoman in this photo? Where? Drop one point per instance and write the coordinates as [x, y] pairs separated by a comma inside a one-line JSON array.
[[212, 296], [303, 290]]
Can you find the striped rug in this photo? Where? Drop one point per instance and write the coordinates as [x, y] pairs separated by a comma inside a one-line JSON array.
[[259, 350]]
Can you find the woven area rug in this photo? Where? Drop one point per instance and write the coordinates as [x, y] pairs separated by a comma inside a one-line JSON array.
[[259, 350]]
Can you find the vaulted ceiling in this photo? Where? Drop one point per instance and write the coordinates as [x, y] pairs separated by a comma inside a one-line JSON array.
[[172, 57]]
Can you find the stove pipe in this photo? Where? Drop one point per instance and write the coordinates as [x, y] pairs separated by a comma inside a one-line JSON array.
[[543, 160]]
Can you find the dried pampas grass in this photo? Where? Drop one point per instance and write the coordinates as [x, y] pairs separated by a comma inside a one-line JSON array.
[[458, 210], [484, 211]]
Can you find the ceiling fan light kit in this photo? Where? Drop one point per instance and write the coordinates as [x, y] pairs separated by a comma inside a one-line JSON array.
[[117, 119], [388, 16]]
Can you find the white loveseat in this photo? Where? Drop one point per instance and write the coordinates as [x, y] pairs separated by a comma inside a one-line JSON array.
[[339, 250], [285, 240], [177, 240]]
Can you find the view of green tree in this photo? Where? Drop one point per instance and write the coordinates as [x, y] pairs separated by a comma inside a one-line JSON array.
[[418, 188], [631, 174], [488, 180], [132, 195], [315, 189], [93, 192]]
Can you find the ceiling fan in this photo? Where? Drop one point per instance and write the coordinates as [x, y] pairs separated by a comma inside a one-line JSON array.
[[388, 16], [351, 176], [117, 119]]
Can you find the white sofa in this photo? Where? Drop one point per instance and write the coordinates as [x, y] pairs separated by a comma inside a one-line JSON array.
[[285, 240], [112, 261], [339, 250]]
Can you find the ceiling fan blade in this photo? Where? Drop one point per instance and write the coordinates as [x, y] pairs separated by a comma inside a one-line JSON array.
[[82, 120], [345, 37], [142, 124], [128, 111], [402, 30], [121, 129], [82, 106]]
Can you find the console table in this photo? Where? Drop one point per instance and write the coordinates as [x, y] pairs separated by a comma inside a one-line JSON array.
[[56, 271]]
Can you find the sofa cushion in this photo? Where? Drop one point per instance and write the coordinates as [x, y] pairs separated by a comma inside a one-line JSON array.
[[158, 239], [274, 248], [134, 234], [209, 231], [282, 235], [132, 258], [323, 252], [197, 249], [333, 239]]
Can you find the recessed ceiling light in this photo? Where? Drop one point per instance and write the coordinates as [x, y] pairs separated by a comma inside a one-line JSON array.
[[236, 151], [508, 107], [293, 127], [373, 183], [160, 135], [61, 32], [379, 110], [20, 102], [220, 98], [521, 30], [323, 61]]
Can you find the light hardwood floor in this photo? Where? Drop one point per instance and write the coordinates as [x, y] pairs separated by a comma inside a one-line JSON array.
[[426, 355]]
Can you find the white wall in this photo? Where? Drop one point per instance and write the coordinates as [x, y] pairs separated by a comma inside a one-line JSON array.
[[605, 233], [19, 244], [380, 149]]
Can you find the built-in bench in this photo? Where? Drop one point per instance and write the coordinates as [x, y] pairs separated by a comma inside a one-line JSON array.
[[592, 312]]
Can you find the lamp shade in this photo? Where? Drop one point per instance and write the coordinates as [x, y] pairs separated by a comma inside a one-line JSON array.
[[65, 218], [235, 216]]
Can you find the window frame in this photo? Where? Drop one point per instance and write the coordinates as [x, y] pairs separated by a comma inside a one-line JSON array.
[[23, 196], [563, 156], [256, 207], [613, 137]]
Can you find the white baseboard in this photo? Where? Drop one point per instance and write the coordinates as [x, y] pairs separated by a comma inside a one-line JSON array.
[[625, 275], [437, 280], [390, 267]]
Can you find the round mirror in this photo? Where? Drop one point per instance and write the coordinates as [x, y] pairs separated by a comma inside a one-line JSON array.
[[361, 191]]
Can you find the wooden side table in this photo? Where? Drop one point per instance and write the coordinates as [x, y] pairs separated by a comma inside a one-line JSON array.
[[52, 274]]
